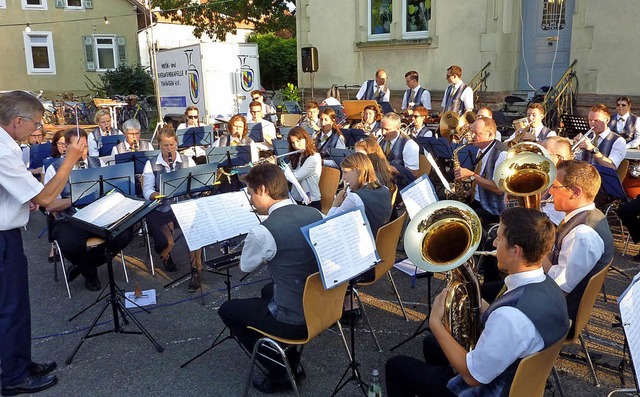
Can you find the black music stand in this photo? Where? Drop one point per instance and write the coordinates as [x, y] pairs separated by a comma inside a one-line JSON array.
[[467, 157], [284, 132], [280, 146], [195, 136], [108, 142], [423, 142], [187, 181], [353, 135], [574, 125], [229, 156], [113, 298], [310, 131], [439, 148], [255, 132], [139, 159], [90, 184], [37, 154], [386, 107], [337, 155]]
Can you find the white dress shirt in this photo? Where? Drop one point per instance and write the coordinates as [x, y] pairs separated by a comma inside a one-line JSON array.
[[466, 97], [618, 150], [581, 249], [426, 98], [349, 203], [363, 90], [410, 153], [17, 185]]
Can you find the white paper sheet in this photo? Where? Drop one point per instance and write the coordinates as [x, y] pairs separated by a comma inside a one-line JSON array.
[[288, 173], [628, 302], [418, 195], [148, 298], [108, 209], [434, 166]]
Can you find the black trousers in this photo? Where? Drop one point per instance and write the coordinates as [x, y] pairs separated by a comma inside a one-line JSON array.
[[161, 226], [237, 314], [628, 213], [15, 311], [408, 376]]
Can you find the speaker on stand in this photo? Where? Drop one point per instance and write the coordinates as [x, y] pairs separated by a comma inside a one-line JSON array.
[[309, 56]]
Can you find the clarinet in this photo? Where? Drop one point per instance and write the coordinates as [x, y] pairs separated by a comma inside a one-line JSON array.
[[170, 161], [134, 147]]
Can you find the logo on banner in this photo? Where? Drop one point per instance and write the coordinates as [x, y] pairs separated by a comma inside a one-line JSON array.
[[246, 75], [194, 78]]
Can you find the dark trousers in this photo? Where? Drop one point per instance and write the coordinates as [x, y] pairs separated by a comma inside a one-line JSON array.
[[161, 226], [486, 218], [237, 314], [15, 311], [628, 213], [408, 376]]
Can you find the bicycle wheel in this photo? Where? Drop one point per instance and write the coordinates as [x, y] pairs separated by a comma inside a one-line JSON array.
[[49, 117], [126, 113]]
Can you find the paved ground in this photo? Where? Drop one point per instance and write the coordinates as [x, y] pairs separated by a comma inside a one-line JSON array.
[[185, 323]]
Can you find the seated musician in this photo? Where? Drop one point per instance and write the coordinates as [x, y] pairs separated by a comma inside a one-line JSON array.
[[583, 243], [268, 112], [536, 131], [625, 123], [376, 89], [306, 166], [280, 244], [607, 148], [370, 147], [529, 317], [329, 136], [369, 123], [197, 153], [132, 141], [488, 113], [311, 118], [488, 200], [103, 119], [559, 149], [72, 239], [401, 151], [35, 138], [419, 128], [161, 222], [416, 95], [268, 128]]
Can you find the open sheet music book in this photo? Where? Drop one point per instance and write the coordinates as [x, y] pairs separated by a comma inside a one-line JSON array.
[[628, 302], [212, 219], [344, 246], [418, 195], [109, 209]]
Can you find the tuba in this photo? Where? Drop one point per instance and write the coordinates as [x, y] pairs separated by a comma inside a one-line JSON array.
[[443, 237], [525, 175], [453, 126]]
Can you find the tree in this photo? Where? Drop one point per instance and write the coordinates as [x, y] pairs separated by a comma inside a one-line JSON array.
[[124, 80], [278, 60], [216, 18]]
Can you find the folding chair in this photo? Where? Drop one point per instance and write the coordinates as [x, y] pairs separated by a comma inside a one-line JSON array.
[[329, 180]]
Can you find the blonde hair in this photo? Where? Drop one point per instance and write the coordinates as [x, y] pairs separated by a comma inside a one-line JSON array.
[[366, 174]]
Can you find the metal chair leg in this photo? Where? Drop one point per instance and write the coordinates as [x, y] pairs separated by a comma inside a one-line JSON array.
[[366, 318], [626, 244], [557, 378], [57, 253], [145, 232], [344, 341], [586, 353], [395, 289], [124, 266], [270, 343]]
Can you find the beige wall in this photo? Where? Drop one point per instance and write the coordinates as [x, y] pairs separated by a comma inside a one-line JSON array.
[[67, 42]]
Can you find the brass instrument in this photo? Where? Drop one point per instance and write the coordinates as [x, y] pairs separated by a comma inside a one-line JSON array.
[[453, 126], [443, 237], [528, 147], [523, 135], [459, 192], [486, 253], [581, 138], [526, 175]]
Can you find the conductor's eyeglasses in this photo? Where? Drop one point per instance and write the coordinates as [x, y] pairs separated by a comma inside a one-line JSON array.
[[38, 124]]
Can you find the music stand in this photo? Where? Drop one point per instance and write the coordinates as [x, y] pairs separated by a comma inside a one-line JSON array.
[[255, 132], [284, 132], [113, 300], [467, 157], [280, 146], [574, 125], [195, 136], [386, 107], [187, 181], [108, 142], [353, 135], [47, 162], [229, 156], [337, 155], [139, 159], [439, 148], [611, 184], [90, 184], [37, 154], [627, 305]]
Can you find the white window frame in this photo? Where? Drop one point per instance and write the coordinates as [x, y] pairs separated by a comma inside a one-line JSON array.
[[3, 4], [31, 70], [68, 7], [421, 34], [43, 5], [381, 36], [114, 47]]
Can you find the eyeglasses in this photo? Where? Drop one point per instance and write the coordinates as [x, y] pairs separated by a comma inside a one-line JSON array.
[[622, 105], [192, 117], [38, 124], [560, 186], [133, 133], [256, 98], [61, 144], [36, 135]]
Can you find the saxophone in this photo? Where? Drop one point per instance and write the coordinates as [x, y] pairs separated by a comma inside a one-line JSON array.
[[459, 193]]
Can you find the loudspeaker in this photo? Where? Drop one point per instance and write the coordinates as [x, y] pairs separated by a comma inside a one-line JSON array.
[[309, 59]]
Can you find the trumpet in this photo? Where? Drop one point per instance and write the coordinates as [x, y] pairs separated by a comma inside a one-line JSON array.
[[575, 148]]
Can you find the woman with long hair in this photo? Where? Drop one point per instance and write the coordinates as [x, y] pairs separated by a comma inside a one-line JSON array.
[[369, 123], [306, 166], [329, 135], [370, 147]]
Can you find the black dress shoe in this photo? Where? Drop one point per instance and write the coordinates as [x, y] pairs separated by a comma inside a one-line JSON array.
[[93, 285], [36, 369], [195, 283], [31, 384], [274, 384], [73, 272], [169, 264]]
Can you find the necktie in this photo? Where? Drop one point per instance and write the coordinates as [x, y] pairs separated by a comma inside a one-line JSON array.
[[596, 141], [234, 143], [412, 97], [387, 148], [502, 291], [377, 94]]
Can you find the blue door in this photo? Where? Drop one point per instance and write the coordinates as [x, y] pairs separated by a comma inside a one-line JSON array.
[[546, 42]]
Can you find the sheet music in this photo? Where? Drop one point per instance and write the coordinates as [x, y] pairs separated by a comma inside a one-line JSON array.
[[211, 219], [418, 195], [628, 302], [288, 173], [343, 245], [434, 166], [108, 209]]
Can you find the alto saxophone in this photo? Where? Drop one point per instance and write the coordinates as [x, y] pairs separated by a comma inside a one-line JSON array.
[[459, 192]]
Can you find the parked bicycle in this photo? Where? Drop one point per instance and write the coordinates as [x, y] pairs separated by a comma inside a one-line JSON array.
[[133, 110]]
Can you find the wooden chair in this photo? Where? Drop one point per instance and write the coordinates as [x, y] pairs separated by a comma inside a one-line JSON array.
[[582, 318], [386, 244], [289, 119], [622, 170], [532, 373], [322, 309], [329, 180], [425, 166]]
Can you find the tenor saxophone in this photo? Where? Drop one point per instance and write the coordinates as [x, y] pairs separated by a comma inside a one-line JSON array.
[[459, 193]]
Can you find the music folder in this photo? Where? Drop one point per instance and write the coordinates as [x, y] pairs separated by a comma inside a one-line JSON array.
[[628, 303], [418, 194], [37, 154], [343, 246], [255, 132], [611, 183]]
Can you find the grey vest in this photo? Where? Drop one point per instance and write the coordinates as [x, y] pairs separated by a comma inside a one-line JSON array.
[[543, 134], [142, 146], [98, 137], [370, 95], [158, 169], [293, 263], [490, 201], [377, 206], [225, 140], [629, 131], [596, 220], [604, 146], [453, 99], [417, 100]]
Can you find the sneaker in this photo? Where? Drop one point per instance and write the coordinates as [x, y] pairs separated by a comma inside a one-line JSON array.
[[169, 264], [195, 283]]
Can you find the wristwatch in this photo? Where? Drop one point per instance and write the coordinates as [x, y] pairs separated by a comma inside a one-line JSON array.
[[595, 150], [472, 178]]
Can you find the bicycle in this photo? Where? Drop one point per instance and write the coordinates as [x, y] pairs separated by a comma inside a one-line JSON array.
[[71, 110], [133, 110]]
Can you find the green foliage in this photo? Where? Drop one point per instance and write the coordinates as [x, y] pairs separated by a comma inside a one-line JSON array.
[[278, 60], [290, 93], [124, 80]]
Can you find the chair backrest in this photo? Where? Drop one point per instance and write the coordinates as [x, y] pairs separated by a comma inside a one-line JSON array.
[[329, 180], [289, 119], [425, 166], [322, 307], [588, 300], [532, 373], [622, 169], [386, 244]]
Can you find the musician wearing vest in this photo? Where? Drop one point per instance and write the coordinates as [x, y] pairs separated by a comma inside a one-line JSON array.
[[369, 123], [559, 149], [72, 239], [35, 138], [416, 95], [625, 123], [237, 135], [488, 200], [280, 244], [419, 128], [538, 133], [608, 148], [268, 112], [488, 113], [400, 150], [376, 89], [268, 128], [311, 118], [583, 243], [192, 115], [161, 222], [329, 136], [306, 166], [530, 316], [458, 96], [132, 141], [103, 119]]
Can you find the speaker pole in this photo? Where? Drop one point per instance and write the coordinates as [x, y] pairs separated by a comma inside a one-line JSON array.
[[313, 75]]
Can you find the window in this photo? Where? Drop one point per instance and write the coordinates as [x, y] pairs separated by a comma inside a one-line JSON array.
[[104, 52], [34, 4], [39, 53], [380, 16], [415, 19], [3, 4], [553, 17], [74, 4]]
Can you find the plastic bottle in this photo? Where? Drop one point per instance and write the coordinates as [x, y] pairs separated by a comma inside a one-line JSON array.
[[375, 390]]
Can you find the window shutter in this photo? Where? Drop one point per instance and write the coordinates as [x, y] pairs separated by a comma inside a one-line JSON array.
[[88, 4], [90, 63], [122, 50], [60, 4]]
